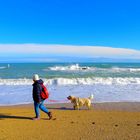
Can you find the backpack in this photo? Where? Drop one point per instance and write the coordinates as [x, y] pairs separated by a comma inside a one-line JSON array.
[[44, 93]]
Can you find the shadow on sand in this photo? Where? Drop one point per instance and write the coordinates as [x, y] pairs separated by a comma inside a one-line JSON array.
[[60, 108], [66, 108], [6, 116]]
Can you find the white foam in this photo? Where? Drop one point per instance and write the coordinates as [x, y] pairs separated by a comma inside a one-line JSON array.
[[3, 67], [134, 70], [75, 81], [117, 69], [69, 68], [16, 81], [77, 67], [16, 94]]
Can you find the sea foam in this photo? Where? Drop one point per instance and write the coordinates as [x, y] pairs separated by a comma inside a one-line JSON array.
[[75, 81]]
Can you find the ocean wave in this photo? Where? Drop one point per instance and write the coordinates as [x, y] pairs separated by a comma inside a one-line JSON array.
[[75, 81], [70, 68], [4, 67], [77, 67], [117, 69], [134, 70]]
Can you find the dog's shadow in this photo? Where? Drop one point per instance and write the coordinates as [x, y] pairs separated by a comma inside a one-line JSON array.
[[68, 108], [7, 116], [60, 108]]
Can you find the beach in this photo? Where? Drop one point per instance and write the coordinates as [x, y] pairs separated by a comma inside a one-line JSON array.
[[115, 114], [105, 121], [59, 52]]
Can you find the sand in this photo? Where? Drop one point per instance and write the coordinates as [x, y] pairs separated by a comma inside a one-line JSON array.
[[106, 121]]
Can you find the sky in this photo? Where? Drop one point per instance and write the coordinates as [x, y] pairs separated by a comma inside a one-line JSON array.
[[52, 29]]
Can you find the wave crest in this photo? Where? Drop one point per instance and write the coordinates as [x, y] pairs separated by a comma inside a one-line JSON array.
[[69, 68], [74, 81]]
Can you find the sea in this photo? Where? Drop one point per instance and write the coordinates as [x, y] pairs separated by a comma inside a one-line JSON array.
[[108, 82]]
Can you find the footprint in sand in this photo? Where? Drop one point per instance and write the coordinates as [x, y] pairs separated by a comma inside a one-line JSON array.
[[54, 119]]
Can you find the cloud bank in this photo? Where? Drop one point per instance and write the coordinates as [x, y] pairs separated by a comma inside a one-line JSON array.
[[68, 50]]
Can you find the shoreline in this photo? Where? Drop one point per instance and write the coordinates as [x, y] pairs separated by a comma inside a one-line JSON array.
[[105, 106]]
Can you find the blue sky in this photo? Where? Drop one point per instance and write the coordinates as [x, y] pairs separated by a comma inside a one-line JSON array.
[[79, 23]]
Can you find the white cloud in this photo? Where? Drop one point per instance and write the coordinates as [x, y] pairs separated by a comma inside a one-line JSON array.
[[71, 50]]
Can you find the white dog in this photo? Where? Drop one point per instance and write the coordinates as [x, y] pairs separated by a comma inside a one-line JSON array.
[[78, 102]]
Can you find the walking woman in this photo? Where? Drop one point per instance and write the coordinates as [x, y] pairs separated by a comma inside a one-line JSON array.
[[38, 101]]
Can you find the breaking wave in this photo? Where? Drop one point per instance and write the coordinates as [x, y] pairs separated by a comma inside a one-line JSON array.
[[74, 81], [77, 67], [69, 68]]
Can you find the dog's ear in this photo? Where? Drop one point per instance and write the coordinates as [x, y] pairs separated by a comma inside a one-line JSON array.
[[69, 97]]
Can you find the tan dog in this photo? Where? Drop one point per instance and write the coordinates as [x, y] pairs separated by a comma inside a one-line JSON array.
[[78, 102]]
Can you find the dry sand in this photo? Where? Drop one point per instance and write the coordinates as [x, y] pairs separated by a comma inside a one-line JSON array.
[[106, 121]]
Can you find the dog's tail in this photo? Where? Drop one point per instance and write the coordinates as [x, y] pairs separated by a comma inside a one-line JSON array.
[[91, 97]]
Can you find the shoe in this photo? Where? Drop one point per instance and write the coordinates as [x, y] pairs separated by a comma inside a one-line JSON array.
[[36, 118], [50, 115]]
